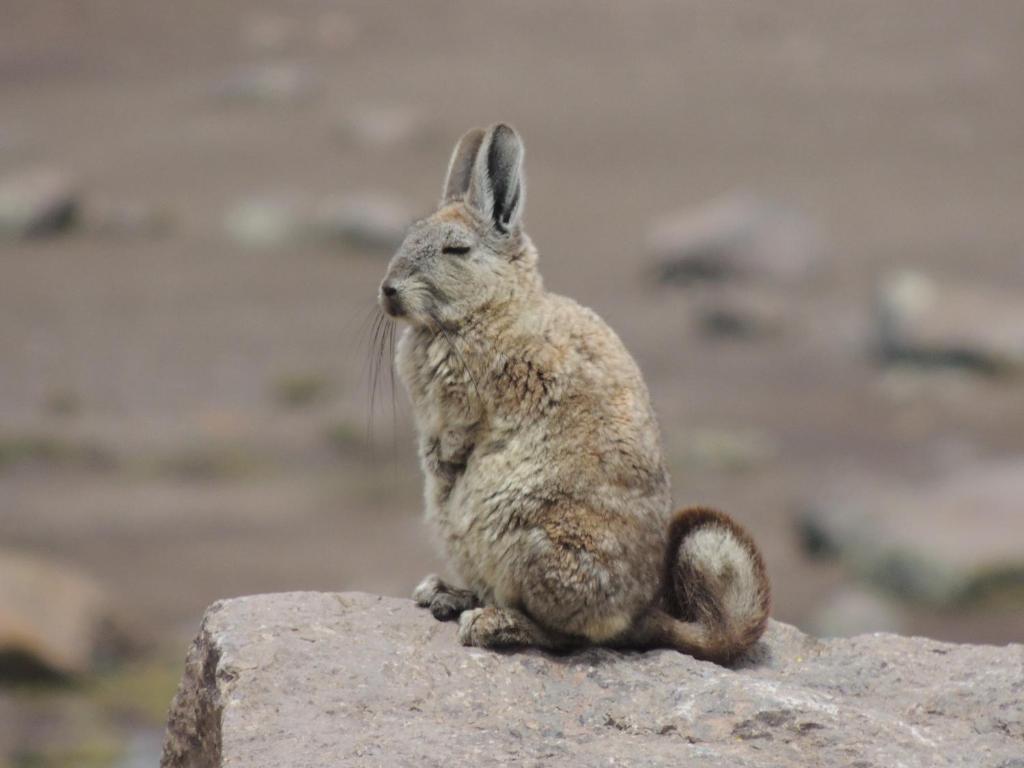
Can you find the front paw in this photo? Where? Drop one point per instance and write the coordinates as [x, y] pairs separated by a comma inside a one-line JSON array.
[[427, 590], [450, 605], [445, 602]]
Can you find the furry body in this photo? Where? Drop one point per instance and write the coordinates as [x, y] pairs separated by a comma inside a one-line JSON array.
[[544, 476]]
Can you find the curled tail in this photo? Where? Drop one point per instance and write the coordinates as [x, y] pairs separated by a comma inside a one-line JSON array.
[[715, 592]]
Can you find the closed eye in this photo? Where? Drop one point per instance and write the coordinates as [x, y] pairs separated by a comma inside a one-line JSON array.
[[456, 250]]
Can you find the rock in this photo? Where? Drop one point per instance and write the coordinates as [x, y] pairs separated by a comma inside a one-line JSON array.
[[351, 679], [956, 540], [266, 221], [920, 322], [742, 315], [54, 620], [372, 221], [736, 237], [37, 203], [853, 611], [276, 83]]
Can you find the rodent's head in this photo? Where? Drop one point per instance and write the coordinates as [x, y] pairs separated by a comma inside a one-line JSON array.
[[471, 253]]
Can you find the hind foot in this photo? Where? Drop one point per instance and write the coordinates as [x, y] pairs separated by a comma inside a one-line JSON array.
[[445, 602], [493, 627]]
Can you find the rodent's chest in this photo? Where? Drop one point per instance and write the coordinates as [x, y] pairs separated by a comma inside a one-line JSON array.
[[449, 414]]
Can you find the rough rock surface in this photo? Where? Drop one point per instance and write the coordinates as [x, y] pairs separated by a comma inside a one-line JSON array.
[[310, 679]]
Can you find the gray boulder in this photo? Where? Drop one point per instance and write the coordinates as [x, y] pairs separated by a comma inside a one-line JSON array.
[[954, 540], [736, 237], [54, 620], [919, 321], [309, 679]]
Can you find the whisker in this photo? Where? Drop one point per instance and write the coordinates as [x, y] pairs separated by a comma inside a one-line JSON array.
[[391, 380], [375, 354]]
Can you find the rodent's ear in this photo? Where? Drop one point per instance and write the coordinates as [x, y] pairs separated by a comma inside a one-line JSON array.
[[460, 167], [497, 187]]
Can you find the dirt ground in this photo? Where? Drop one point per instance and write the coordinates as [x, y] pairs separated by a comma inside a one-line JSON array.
[[898, 128]]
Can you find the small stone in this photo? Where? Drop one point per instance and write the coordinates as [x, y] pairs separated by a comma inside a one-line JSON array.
[[53, 619], [266, 221], [37, 203], [372, 221], [740, 315], [923, 323], [279, 83], [736, 237]]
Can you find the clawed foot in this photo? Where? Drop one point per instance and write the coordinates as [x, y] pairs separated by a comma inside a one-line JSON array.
[[492, 627], [445, 603]]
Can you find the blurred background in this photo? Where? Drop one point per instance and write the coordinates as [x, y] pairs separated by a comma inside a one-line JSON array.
[[804, 220]]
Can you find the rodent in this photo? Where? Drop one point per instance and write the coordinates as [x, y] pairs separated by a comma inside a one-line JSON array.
[[544, 476]]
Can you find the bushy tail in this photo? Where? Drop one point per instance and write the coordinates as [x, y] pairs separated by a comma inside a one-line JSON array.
[[716, 596]]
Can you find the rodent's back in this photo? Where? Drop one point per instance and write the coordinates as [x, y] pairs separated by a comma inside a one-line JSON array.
[[603, 416]]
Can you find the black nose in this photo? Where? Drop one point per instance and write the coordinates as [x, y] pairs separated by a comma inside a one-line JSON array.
[[389, 290]]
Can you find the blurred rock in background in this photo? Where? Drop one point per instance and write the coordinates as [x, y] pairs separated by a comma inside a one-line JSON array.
[[737, 237], [372, 222], [922, 323], [37, 203], [54, 620], [949, 542]]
